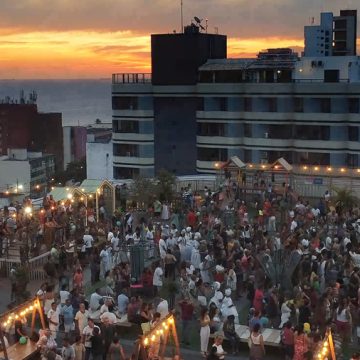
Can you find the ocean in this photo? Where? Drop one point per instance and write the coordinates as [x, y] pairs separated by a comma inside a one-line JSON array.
[[81, 102]]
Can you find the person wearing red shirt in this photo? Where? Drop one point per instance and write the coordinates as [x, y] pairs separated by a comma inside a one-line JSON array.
[[187, 311], [191, 218], [258, 299]]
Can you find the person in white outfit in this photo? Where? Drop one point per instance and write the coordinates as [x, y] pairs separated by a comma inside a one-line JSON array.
[[105, 261], [204, 331], [115, 242], [195, 256], [162, 248], [228, 307], [285, 313]]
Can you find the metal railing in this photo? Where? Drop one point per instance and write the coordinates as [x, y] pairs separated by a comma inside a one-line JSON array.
[[131, 78], [34, 266]]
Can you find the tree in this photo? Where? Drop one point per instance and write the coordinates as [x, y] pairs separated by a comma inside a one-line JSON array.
[[344, 199], [142, 191], [75, 171], [165, 185]]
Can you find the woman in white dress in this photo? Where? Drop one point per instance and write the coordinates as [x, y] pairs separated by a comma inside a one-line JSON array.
[[204, 331], [165, 215]]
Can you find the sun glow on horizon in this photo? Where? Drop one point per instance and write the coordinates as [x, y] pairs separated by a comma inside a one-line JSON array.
[[94, 54]]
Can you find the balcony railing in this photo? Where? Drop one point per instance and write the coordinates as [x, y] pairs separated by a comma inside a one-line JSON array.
[[131, 78]]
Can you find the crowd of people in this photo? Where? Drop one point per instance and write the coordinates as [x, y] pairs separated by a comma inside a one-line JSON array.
[[225, 252]]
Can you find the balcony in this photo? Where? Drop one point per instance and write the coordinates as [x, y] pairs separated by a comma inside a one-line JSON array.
[[131, 78]]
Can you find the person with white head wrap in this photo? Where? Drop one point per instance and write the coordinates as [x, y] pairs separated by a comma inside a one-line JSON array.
[[228, 307], [171, 241], [188, 234], [165, 230], [217, 299], [195, 256], [205, 267], [328, 243]]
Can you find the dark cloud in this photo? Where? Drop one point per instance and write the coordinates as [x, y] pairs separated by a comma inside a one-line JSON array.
[[243, 18]]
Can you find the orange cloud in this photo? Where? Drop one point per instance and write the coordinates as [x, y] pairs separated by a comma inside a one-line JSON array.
[[94, 54], [73, 54]]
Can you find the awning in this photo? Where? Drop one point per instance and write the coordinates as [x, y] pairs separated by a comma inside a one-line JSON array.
[[235, 161], [90, 186], [282, 162], [61, 193]]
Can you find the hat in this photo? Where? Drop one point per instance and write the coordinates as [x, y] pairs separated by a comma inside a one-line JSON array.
[[188, 229], [219, 268], [305, 242], [216, 285], [208, 257], [227, 292], [219, 295]]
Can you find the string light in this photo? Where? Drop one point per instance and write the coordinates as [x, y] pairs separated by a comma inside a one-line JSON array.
[[146, 341], [342, 170], [316, 168], [329, 169], [305, 167]]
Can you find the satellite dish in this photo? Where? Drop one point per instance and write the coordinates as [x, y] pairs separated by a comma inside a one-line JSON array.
[[197, 20]]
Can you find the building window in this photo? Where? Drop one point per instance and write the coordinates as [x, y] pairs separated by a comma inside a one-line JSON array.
[[312, 132], [125, 173], [353, 105], [272, 104], [325, 105], [124, 103], [280, 132], [247, 130], [247, 104], [353, 133], [126, 126], [212, 154], [126, 150], [298, 104], [222, 103], [352, 160], [211, 129]]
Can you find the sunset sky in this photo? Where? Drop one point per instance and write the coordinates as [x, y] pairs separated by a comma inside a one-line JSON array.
[[94, 38]]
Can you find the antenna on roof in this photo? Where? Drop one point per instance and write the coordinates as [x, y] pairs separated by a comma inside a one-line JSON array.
[[198, 22], [182, 17]]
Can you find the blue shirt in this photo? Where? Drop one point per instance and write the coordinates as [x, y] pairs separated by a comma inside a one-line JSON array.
[[68, 313]]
